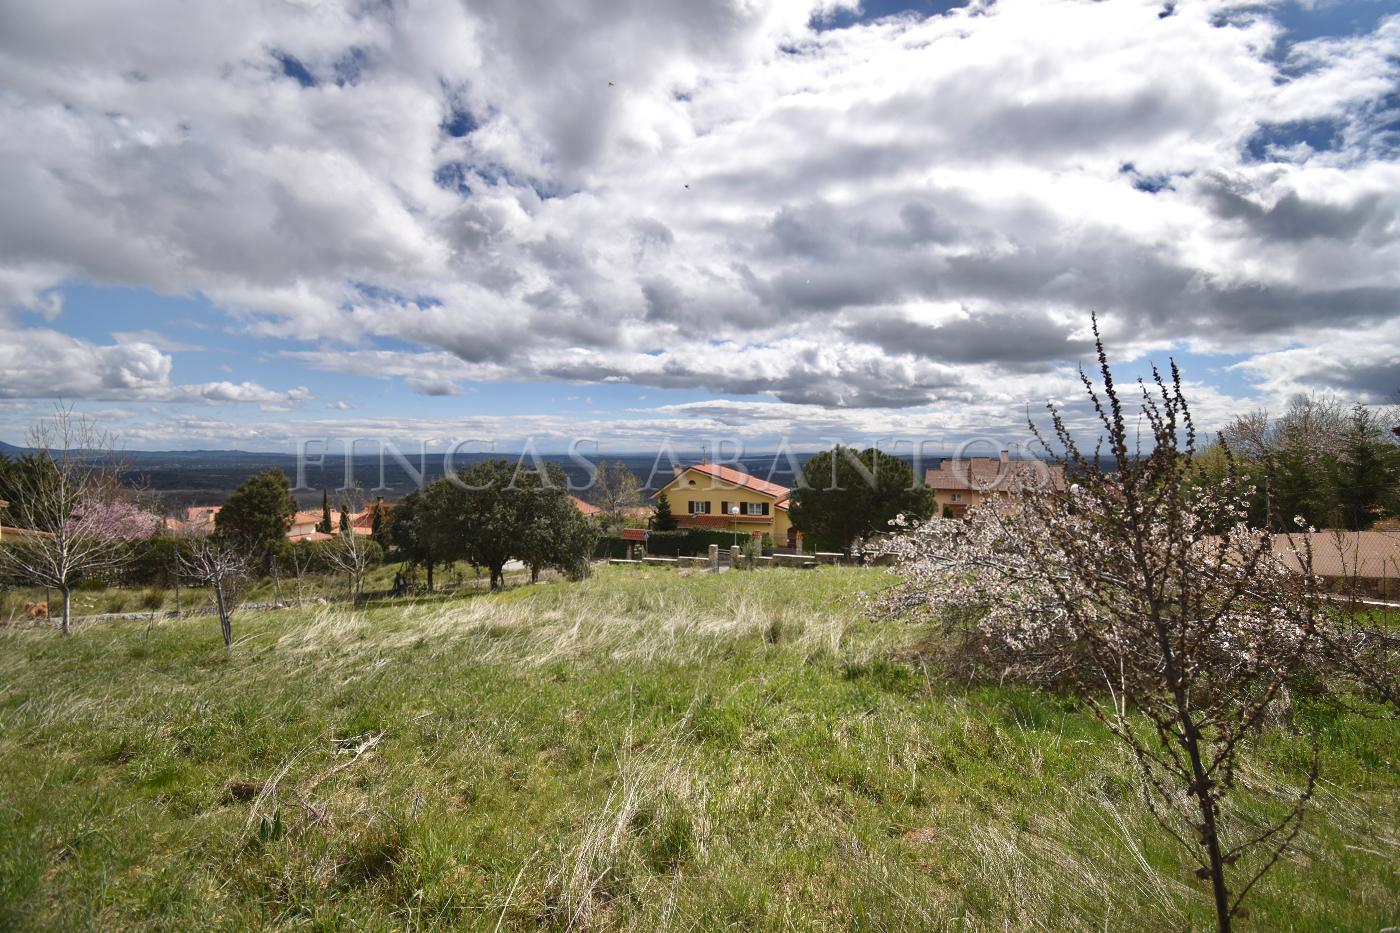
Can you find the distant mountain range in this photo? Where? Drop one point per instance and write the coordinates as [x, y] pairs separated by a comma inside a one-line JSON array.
[[182, 478], [10, 450]]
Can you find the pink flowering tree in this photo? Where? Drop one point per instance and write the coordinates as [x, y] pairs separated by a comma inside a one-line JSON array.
[[65, 495], [113, 517], [1145, 592]]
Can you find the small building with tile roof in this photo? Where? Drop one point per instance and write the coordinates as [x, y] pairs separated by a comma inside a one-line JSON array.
[[960, 483]]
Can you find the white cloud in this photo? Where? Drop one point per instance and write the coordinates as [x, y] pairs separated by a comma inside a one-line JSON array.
[[39, 363], [700, 195]]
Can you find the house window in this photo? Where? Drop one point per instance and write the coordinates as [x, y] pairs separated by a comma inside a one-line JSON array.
[[753, 508], [699, 508], [955, 497]]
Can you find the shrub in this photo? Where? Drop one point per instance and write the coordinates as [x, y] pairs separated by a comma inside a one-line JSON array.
[[153, 599], [687, 542], [1146, 592]]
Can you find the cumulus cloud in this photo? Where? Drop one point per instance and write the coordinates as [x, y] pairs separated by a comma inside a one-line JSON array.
[[901, 215], [40, 363]]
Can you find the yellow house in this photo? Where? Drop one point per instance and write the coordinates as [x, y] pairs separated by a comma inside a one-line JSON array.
[[706, 495], [959, 484]]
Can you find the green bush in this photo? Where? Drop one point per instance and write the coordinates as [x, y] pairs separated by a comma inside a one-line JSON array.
[[115, 601], [154, 561], [612, 547], [687, 542]]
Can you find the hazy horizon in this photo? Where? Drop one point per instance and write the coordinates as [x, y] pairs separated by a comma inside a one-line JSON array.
[[425, 220]]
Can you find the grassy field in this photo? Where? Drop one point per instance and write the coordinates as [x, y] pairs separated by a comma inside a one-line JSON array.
[[643, 750], [98, 599]]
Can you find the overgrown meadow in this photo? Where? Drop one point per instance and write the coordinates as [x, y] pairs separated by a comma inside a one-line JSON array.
[[643, 750]]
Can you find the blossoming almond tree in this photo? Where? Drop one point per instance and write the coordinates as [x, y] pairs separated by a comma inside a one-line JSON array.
[[1145, 591], [67, 496]]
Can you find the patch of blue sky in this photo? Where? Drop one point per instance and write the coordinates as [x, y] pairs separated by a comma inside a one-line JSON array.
[[454, 177], [1318, 19], [1278, 141], [871, 10], [460, 122], [294, 69], [382, 293], [1213, 369]]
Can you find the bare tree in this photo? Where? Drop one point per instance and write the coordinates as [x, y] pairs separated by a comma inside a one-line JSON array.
[[615, 488], [1146, 592], [216, 563], [1315, 423], [301, 557], [352, 555], [64, 491]]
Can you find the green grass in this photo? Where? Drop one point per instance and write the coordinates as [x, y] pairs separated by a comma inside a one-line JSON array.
[[644, 750], [97, 599]]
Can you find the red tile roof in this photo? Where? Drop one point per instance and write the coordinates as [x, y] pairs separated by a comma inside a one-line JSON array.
[[365, 519], [984, 473], [20, 533], [737, 478], [587, 508]]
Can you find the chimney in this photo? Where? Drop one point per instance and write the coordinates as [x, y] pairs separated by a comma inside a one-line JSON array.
[[1005, 456]]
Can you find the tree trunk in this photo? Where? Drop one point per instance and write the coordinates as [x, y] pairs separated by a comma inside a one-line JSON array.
[[1210, 835], [1200, 783], [67, 611], [430, 576], [225, 626], [534, 573], [177, 597]]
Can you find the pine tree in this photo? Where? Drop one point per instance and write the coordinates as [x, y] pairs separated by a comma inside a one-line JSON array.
[[662, 519], [376, 525], [256, 517], [1365, 472], [325, 524]]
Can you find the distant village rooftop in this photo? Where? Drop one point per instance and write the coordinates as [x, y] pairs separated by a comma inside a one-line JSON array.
[[993, 473], [960, 483]]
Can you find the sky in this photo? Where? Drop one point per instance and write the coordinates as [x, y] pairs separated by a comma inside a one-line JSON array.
[[426, 221]]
